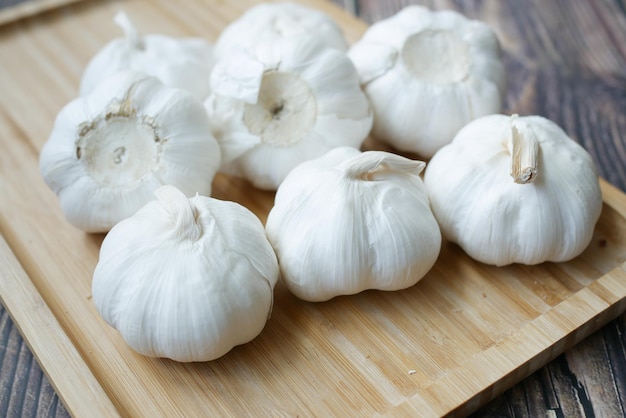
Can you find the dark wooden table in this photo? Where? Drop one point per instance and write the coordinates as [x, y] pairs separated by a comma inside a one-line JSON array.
[[566, 60]]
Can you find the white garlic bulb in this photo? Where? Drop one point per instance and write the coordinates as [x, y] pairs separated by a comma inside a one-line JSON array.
[[267, 21], [427, 74], [285, 102], [350, 221], [109, 150], [186, 279], [515, 190], [183, 63]]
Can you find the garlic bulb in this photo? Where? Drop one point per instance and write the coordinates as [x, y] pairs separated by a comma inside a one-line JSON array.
[[427, 74], [109, 150], [285, 102], [515, 190], [350, 221], [268, 21], [186, 279], [183, 63]]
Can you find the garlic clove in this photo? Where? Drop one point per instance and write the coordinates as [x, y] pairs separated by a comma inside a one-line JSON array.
[[515, 190], [108, 151], [184, 63], [350, 221], [186, 279]]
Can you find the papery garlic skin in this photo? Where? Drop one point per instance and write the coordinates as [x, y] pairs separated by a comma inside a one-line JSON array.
[[427, 74], [268, 21], [184, 63], [186, 279], [283, 103], [496, 220], [109, 150], [350, 221]]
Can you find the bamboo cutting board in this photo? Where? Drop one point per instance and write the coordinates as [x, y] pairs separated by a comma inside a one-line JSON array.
[[29, 8], [459, 337]]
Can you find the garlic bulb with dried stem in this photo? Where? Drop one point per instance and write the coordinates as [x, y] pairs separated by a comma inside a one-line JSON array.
[[183, 63], [350, 221], [186, 279], [512, 189]]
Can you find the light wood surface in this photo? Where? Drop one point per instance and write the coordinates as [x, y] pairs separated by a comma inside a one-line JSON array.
[[17, 9], [449, 344], [61, 361]]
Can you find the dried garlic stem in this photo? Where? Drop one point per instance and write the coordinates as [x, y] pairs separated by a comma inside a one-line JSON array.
[[367, 164], [130, 31], [182, 211], [524, 155]]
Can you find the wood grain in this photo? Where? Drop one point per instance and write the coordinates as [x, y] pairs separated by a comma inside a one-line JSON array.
[[24, 389], [546, 83], [61, 361], [13, 10]]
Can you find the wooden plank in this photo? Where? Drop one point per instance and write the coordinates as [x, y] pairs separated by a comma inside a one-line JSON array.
[[81, 393], [29, 8], [349, 356]]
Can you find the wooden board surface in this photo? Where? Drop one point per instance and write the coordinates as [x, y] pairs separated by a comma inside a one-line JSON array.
[[60, 359], [467, 331], [13, 10]]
